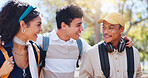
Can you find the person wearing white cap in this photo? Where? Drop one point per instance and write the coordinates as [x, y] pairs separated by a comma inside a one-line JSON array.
[[111, 59]]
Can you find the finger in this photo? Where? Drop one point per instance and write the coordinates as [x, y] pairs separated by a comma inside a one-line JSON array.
[[128, 42], [125, 37], [3, 43], [130, 45], [11, 58]]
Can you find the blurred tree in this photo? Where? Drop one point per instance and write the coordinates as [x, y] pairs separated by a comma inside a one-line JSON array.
[[135, 12]]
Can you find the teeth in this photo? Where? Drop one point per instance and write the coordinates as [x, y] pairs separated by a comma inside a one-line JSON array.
[[106, 36]]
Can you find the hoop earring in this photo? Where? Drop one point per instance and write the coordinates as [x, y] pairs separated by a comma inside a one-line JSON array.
[[23, 31]]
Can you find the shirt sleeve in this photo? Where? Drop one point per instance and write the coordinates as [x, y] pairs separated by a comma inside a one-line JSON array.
[[86, 46], [86, 70], [137, 60]]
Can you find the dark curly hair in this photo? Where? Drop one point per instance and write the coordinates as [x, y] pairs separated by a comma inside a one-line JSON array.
[[9, 17], [67, 13]]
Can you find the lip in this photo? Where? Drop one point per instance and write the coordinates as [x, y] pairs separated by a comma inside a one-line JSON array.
[[78, 34]]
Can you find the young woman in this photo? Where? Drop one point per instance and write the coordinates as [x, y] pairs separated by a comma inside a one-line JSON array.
[[19, 25]]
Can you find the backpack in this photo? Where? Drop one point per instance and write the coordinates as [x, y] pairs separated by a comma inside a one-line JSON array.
[[5, 53], [105, 61], [46, 40]]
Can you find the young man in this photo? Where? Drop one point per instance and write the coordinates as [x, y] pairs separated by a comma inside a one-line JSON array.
[[110, 58], [63, 52]]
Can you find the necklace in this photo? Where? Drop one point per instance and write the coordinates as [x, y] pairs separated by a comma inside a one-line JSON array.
[[19, 54]]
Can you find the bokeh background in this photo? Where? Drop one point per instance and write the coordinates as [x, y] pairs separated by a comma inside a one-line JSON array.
[[134, 11]]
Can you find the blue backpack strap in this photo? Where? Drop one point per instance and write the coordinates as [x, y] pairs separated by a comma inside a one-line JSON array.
[[45, 41], [130, 61], [105, 66], [80, 46]]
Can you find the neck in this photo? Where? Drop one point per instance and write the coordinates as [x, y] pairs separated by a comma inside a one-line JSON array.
[[62, 35], [21, 37], [115, 43]]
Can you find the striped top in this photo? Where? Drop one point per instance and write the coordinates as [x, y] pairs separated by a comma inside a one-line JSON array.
[[61, 56]]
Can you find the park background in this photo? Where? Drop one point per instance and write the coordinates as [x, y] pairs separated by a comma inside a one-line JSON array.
[[134, 11]]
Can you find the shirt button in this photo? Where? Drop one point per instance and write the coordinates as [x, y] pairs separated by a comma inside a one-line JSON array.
[[117, 70], [115, 51], [116, 58]]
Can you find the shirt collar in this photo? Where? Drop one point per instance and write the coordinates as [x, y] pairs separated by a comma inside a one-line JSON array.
[[116, 52], [54, 36]]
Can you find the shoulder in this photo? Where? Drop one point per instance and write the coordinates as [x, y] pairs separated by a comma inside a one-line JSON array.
[[136, 52], [84, 43], [93, 50]]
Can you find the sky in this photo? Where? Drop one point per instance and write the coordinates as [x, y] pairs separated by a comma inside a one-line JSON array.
[[32, 2]]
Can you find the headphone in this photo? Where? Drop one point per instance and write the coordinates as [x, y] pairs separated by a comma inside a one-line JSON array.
[[110, 48]]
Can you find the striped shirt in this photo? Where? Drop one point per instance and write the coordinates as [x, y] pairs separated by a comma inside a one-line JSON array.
[[61, 56]]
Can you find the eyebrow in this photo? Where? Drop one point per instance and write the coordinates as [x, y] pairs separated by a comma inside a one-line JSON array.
[[112, 25], [79, 23], [39, 22]]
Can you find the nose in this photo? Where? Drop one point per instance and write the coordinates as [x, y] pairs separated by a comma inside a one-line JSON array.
[[41, 29], [81, 28], [105, 31]]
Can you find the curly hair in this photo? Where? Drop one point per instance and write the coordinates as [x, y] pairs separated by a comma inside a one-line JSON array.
[[9, 16], [67, 13]]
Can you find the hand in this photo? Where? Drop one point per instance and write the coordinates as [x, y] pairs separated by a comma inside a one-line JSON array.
[[7, 66], [129, 43]]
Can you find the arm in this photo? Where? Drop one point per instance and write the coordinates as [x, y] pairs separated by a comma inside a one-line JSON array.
[[7, 67], [86, 46], [129, 43], [137, 65], [139, 71], [86, 70]]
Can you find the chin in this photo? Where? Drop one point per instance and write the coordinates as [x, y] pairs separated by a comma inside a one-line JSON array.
[[76, 38], [107, 41]]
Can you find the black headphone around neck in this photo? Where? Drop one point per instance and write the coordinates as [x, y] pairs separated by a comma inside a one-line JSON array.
[[110, 48]]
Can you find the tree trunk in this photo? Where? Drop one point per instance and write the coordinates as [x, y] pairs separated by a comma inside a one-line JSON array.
[[97, 26]]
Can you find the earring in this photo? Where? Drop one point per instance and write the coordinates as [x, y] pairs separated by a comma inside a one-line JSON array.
[[23, 31]]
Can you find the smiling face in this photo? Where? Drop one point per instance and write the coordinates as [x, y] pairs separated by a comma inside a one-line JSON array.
[[33, 29], [112, 32], [75, 28]]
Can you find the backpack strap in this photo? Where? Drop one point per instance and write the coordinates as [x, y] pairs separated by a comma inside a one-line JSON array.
[[80, 46], [105, 66], [45, 41], [38, 52], [5, 53], [38, 55], [46, 38], [130, 61]]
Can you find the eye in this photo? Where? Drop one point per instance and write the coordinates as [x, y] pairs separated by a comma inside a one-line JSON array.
[[111, 27], [103, 27], [39, 25]]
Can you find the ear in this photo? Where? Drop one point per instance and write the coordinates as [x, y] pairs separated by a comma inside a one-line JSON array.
[[63, 26], [121, 30], [23, 25]]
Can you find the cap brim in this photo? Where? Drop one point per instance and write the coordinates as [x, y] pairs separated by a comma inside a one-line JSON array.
[[108, 20], [100, 20]]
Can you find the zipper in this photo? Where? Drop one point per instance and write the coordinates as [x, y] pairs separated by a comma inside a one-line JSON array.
[[24, 73]]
